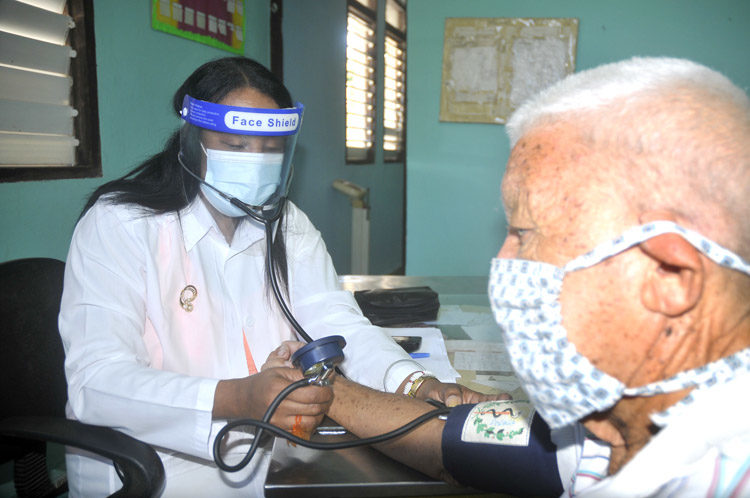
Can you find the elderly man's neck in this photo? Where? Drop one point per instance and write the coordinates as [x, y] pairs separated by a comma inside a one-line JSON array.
[[627, 427]]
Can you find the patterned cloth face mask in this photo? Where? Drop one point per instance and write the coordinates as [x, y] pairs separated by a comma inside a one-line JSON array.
[[563, 385]]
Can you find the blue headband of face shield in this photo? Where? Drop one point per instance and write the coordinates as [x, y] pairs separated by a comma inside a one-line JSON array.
[[247, 153], [242, 120]]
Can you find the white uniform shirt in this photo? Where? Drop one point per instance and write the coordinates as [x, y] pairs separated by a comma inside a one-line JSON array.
[[703, 451], [138, 361]]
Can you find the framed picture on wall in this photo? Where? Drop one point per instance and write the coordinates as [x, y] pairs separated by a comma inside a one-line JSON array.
[[491, 65]]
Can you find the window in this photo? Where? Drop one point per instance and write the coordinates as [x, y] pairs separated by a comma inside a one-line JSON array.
[[361, 86], [394, 94], [360, 81], [49, 125]]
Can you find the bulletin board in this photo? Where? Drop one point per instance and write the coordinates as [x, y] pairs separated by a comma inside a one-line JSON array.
[[218, 23], [491, 65]]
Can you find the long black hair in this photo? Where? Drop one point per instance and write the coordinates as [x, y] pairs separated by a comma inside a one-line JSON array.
[[161, 184]]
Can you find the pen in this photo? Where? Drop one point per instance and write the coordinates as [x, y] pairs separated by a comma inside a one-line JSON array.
[[419, 355]]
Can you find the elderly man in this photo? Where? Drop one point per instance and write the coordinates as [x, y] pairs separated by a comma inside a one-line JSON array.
[[621, 291], [644, 166]]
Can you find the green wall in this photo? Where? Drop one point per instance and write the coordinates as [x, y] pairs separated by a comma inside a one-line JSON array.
[[455, 222], [315, 73], [454, 219], [138, 71]]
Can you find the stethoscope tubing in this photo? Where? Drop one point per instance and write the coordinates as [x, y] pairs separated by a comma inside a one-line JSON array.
[[264, 424]]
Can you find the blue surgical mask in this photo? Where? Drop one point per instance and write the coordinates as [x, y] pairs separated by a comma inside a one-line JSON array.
[[564, 385], [251, 177]]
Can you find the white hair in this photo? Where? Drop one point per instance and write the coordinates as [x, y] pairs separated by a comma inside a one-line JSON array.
[[596, 88], [677, 133]]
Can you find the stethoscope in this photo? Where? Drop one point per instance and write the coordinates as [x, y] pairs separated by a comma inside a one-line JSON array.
[[318, 359]]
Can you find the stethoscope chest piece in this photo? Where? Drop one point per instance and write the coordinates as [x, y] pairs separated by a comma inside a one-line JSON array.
[[320, 356]]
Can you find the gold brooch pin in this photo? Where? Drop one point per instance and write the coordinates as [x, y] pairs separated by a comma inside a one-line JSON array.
[[187, 296]]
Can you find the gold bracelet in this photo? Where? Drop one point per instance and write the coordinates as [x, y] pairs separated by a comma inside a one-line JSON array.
[[413, 378], [417, 384]]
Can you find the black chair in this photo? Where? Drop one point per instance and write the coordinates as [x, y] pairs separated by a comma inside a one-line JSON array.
[[34, 390]]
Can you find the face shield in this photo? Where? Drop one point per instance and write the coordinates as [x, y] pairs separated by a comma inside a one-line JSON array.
[[241, 155]]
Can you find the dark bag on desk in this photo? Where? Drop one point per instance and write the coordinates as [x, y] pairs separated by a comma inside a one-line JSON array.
[[397, 306]]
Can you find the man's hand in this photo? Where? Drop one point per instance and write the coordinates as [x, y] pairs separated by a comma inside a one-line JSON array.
[[454, 394]]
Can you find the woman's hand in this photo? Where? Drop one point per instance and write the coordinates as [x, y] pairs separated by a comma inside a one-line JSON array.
[[454, 394], [282, 356], [301, 411]]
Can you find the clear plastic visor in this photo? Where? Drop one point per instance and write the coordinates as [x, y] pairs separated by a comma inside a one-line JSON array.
[[243, 152]]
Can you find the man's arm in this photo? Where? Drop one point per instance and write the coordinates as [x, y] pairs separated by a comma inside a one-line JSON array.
[[512, 453], [367, 412], [515, 456]]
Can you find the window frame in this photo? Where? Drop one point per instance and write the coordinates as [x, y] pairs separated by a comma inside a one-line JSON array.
[[370, 16], [83, 98], [400, 37]]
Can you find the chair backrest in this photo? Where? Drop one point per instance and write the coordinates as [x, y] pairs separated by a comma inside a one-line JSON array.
[[32, 355], [34, 389]]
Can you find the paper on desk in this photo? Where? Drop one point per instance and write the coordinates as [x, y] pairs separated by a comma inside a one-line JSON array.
[[432, 343], [480, 356], [488, 362]]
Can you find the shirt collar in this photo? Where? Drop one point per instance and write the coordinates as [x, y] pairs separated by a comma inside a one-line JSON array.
[[197, 222]]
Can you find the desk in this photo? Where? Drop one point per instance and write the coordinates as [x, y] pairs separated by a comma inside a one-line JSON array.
[[363, 471]]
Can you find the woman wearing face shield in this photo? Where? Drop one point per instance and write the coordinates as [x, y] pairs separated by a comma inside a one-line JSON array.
[[167, 313]]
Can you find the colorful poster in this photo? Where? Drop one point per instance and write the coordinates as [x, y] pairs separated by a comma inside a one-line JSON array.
[[218, 23]]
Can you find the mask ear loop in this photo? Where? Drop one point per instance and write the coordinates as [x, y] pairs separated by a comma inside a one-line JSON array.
[[184, 166], [222, 194]]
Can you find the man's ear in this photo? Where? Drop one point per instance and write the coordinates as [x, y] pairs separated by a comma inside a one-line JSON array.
[[675, 284]]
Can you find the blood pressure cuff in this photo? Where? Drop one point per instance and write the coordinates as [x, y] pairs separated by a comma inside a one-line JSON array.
[[501, 446], [397, 306]]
